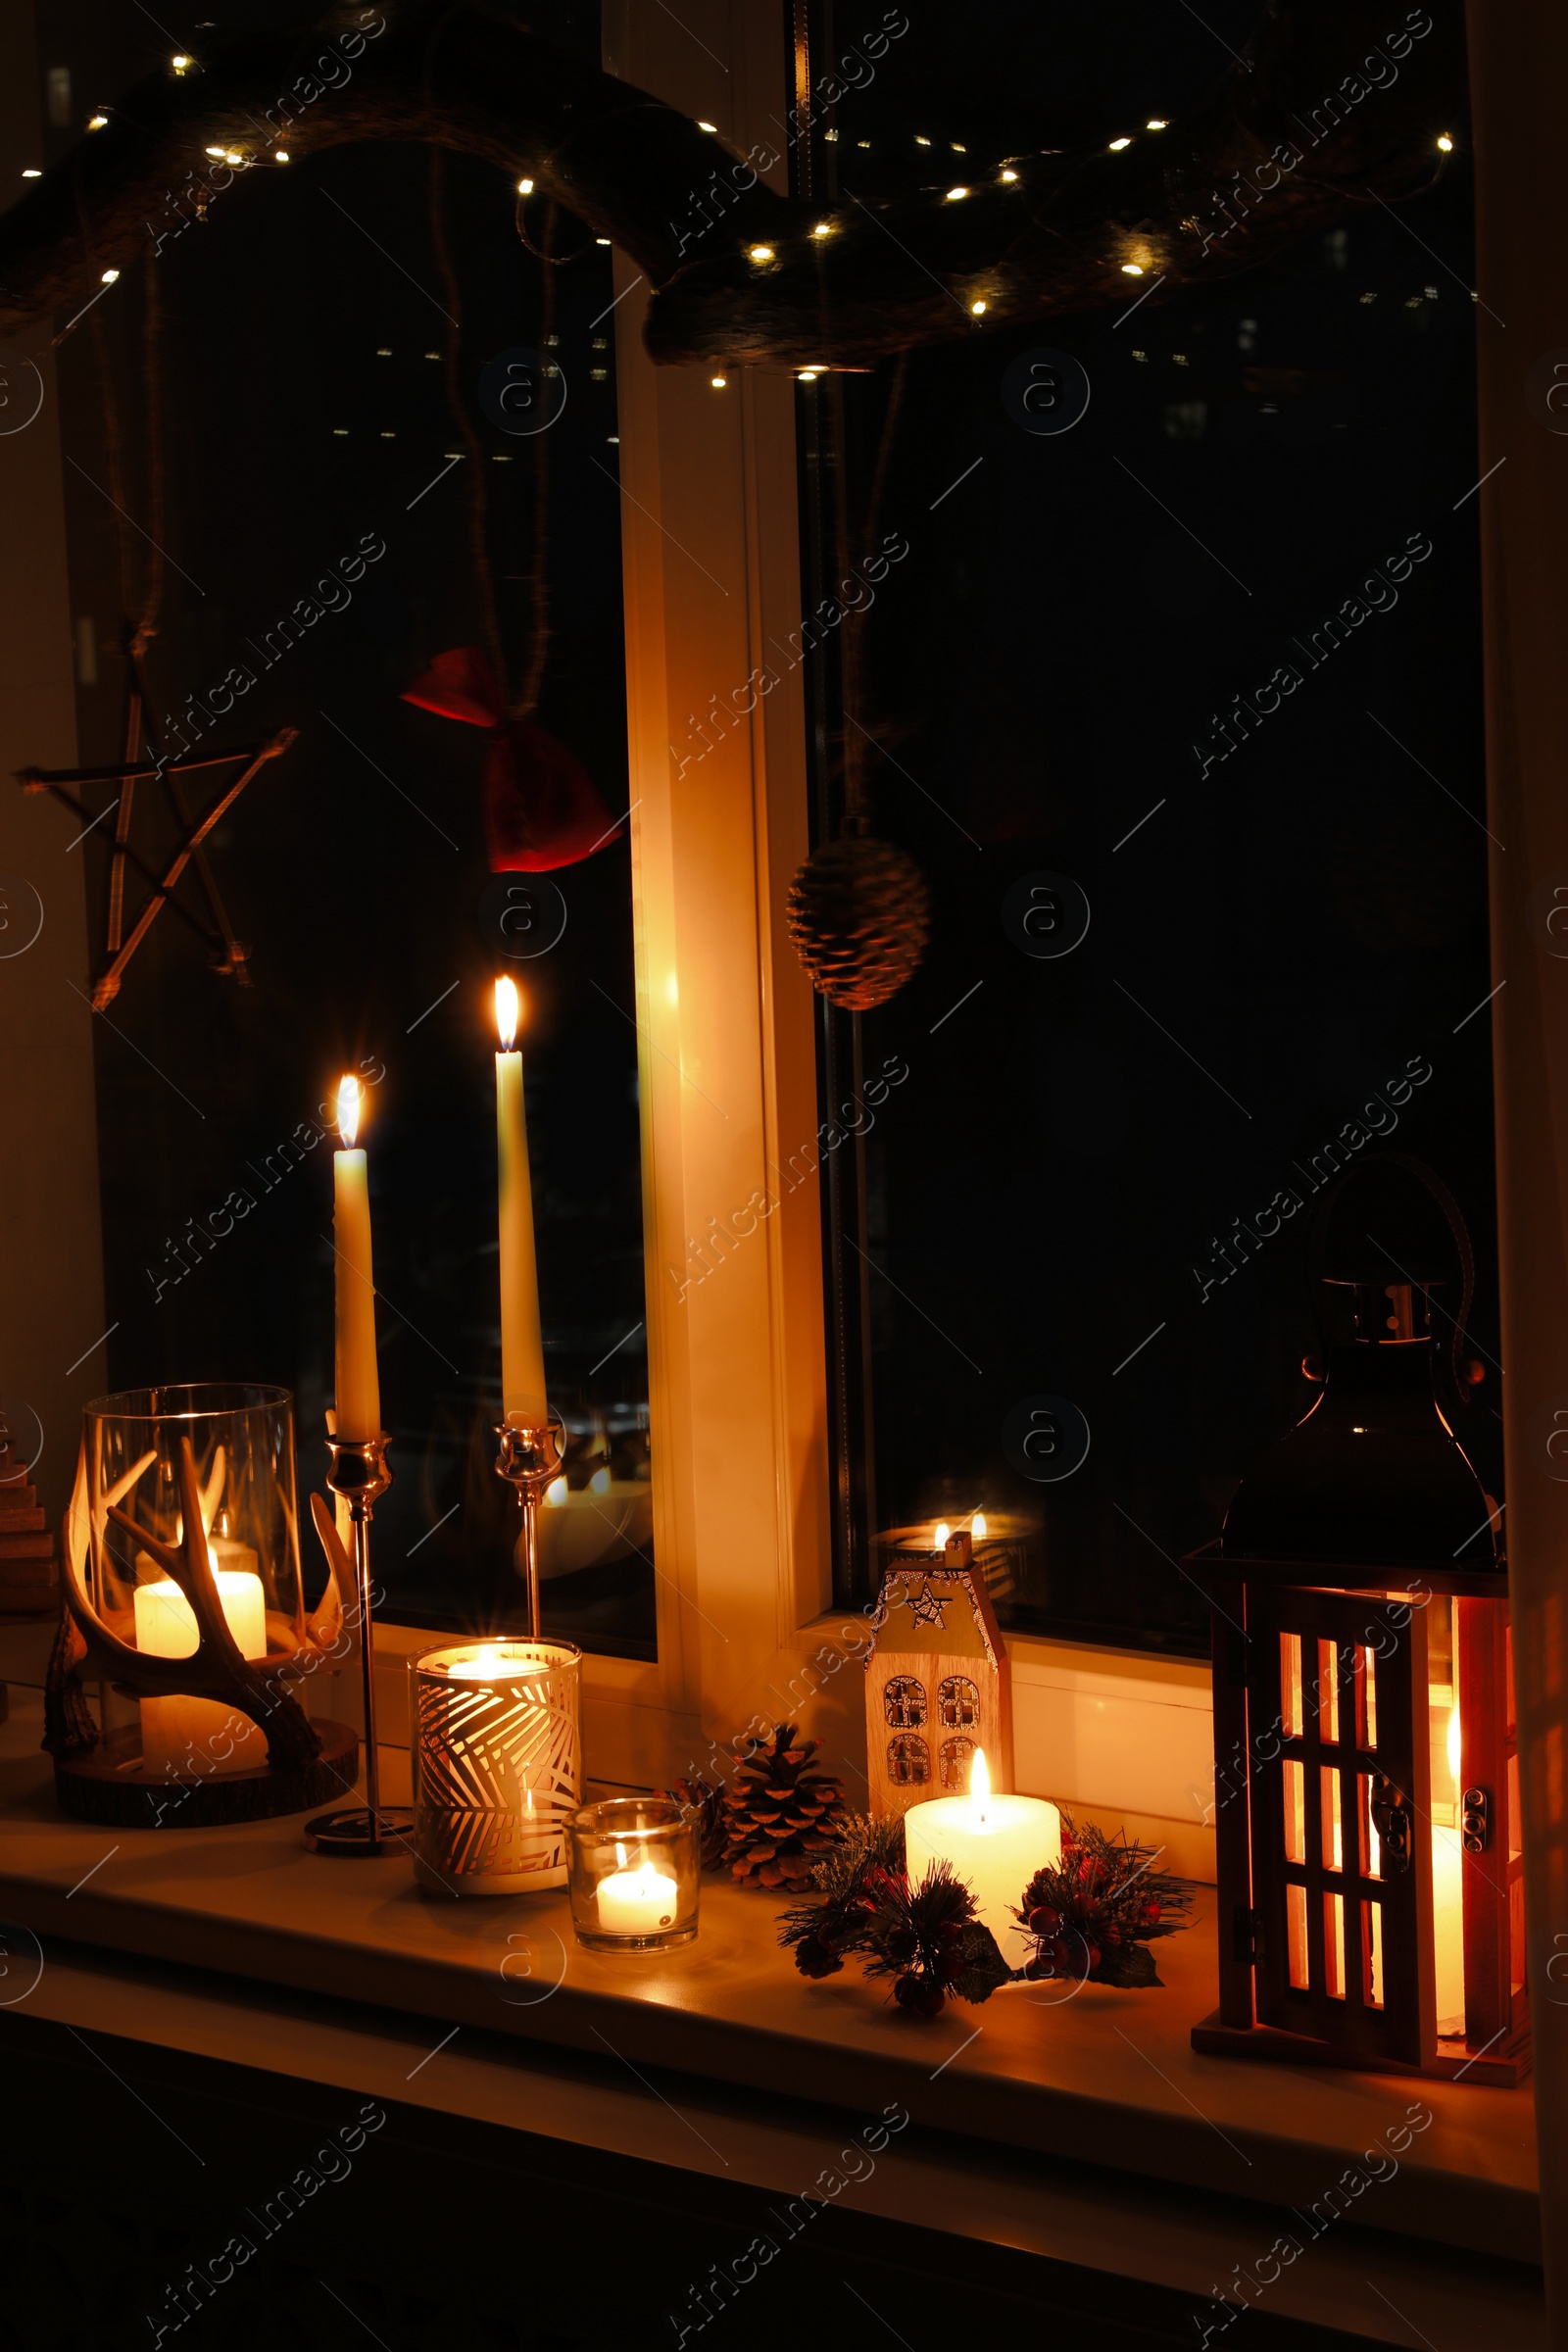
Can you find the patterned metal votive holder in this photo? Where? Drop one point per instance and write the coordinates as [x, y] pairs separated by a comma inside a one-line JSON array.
[[636, 1874], [497, 1764]]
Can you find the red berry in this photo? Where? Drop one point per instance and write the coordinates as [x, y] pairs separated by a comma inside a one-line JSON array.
[[920, 1994]]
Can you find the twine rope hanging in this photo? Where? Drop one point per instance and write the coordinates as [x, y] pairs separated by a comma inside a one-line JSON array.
[[139, 633], [856, 800], [858, 909], [525, 702]]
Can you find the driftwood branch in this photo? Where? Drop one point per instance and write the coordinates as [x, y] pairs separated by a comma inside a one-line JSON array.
[[1336, 103]]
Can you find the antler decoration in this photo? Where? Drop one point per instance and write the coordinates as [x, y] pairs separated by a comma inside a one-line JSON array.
[[1356, 109], [339, 1576], [217, 1670]]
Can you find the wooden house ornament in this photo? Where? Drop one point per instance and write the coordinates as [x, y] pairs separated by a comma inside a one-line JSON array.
[[937, 1682]]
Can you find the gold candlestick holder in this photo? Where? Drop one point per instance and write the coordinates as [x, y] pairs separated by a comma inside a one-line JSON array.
[[529, 1458], [360, 1474]]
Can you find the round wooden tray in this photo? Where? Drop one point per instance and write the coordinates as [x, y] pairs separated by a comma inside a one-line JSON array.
[[107, 1785]]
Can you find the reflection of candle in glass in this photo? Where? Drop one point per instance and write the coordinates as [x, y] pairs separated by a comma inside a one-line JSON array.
[[523, 1348], [939, 1542], [977, 1528], [230, 1557], [636, 1902], [358, 1384], [996, 1842], [222, 1739]]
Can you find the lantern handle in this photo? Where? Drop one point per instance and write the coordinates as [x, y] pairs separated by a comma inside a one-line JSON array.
[[1453, 1217]]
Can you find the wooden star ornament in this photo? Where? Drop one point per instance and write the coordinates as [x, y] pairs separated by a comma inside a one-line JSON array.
[[215, 932]]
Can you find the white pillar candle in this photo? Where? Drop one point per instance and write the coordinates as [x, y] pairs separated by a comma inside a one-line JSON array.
[[638, 1901], [996, 1843], [1448, 1895], [1447, 1926], [194, 1736], [522, 1349], [358, 1383]]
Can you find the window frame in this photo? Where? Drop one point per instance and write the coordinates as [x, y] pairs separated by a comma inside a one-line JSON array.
[[726, 1048]]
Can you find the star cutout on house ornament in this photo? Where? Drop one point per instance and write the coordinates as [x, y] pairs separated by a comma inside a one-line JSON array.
[[926, 1607]]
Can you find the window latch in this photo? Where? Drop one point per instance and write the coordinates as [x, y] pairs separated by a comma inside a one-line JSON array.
[[1475, 1824], [1391, 1811], [1247, 1929]]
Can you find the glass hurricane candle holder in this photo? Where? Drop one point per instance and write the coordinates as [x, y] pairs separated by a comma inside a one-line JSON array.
[[636, 1874], [241, 1437], [497, 1764]]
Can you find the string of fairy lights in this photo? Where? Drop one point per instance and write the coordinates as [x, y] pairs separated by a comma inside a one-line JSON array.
[[982, 292]]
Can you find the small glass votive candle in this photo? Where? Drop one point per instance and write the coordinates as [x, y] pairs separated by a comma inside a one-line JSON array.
[[636, 1873], [497, 1764]]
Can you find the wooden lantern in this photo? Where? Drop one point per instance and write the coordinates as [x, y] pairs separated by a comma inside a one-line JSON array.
[[1371, 1897], [937, 1684]]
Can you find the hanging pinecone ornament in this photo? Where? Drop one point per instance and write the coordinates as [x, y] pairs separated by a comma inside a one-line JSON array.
[[780, 1817], [706, 1800], [859, 914]]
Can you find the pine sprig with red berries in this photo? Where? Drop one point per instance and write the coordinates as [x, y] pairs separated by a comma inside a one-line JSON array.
[[1094, 1915], [928, 1936]]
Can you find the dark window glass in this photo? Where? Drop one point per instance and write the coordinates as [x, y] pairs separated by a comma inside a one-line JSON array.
[[320, 466], [1203, 674]]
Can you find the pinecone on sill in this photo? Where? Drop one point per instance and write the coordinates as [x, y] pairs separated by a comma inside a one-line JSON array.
[[700, 1797], [780, 1817]]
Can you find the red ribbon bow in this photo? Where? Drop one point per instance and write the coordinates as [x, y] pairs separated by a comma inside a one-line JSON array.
[[541, 808]]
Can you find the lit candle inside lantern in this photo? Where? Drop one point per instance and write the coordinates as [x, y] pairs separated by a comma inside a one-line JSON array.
[[977, 1528], [522, 1349], [638, 1901], [939, 1542], [995, 1843], [195, 1737], [358, 1383], [1447, 1901]]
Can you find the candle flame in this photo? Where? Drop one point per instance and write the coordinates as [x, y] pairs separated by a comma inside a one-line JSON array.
[[507, 1009], [348, 1109], [977, 1527], [939, 1542], [1454, 1744], [979, 1786], [480, 1663]]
